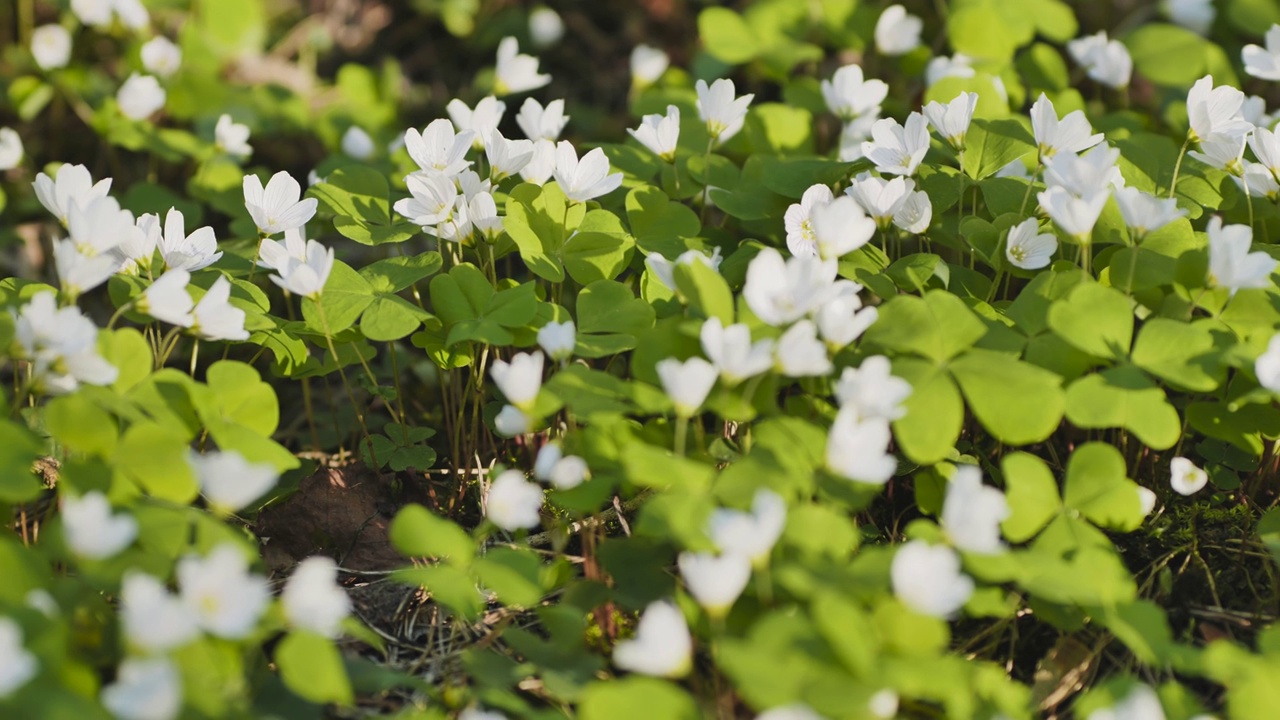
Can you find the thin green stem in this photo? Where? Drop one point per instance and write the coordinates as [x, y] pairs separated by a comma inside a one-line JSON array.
[[1031, 182], [118, 314], [333, 352], [682, 434], [1177, 166]]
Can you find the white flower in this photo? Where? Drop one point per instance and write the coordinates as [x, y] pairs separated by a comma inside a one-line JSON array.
[[780, 292], [720, 108], [1215, 110], [512, 502], [98, 227], [1106, 61], [216, 318], [1083, 175], [230, 482], [481, 121], [664, 269], [750, 534], [854, 133], [1029, 249], [482, 212], [730, 349], [915, 214], [357, 144], [96, 13], [17, 664], [1254, 110], [800, 353], [557, 339], [1185, 477], [715, 581], [154, 619], [279, 206], [71, 185], [161, 57], [516, 73], [898, 149], [647, 64], [439, 148], [79, 273], [140, 96], [660, 133], [848, 96], [795, 711], [1141, 703], [569, 472], [11, 150], [433, 196], [1015, 169], [475, 713], [857, 448], [511, 421], [1262, 62], [972, 512], [897, 33], [542, 165], [1258, 181], [545, 26], [582, 180], [232, 137], [882, 199], [841, 320], [1076, 216], [1231, 265], [884, 704], [131, 13], [1223, 152], [90, 528], [941, 66], [40, 599], [798, 220], [952, 120], [167, 299], [312, 598], [1146, 500], [661, 647], [1071, 133], [872, 391], [306, 278], [1267, 366], [226, 598], [928, 579], [542, 123], [506, 157], [1266, 146], [51, 46], [548, 456], [277, 255], [1194, 15], [1144, 213], [61, 343], [519, 380], [187, 252], [148, 689], [840, 227], [687, 383]]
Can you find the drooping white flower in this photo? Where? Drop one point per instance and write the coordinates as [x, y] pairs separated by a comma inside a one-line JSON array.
[[730, 349], [941, 66], [780, 292], [542, 165], [312, 598], [132, 14], [512, 502], [71, 185], [542, 123], [1224, 152], [1258, 181], [715, 581], [687, 383], [585, 179], [1263, 62], [1146, 500], [161, 57], [872, 391], [11, 149], [357, 144], [558, 339], [516, 72], [545, 26], [145, 689], [721, 109], [1266, 147], [480, 121], [952, 120], [79, 273], [154, 619], [750, 534], [1083, 175], [225, 596], [842, 319], [661, 646], [569, 472], [548, 456], [849, 96], [232, 137], [279, 206], [1076, 216], [928, 579], [96, 228], [798, 220], [882, 199], [90, 528], [167, 299], [897, 32], [511, 421], [140, 96], [187, 252], [972, 512], [51, 46], [898, 149], [659, 133], [840, 227], [216, 318], [800, 353], [433, 197], [277, 255], [1215, 110], [884, 704], [915, 214], [664, 270], [647, 64], [1254, 110], [854, 133], [17, 664], [1106, 61], [439, 148], [230, 482], [1194, 15], [1141, 703], [1267, 366], [1185, 477], [482, 212], [1144, 213], [857, 448], [519, 380], [506, 157], [1028, 248], [61, 343], [1071, 133], [1231, 265]]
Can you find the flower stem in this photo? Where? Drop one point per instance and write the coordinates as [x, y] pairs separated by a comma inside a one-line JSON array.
[[333, 352], [682, 434], [1177, 166], [1031, 182]]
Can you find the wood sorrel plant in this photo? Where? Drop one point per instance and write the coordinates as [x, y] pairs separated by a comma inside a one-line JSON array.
[[855, 380]]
